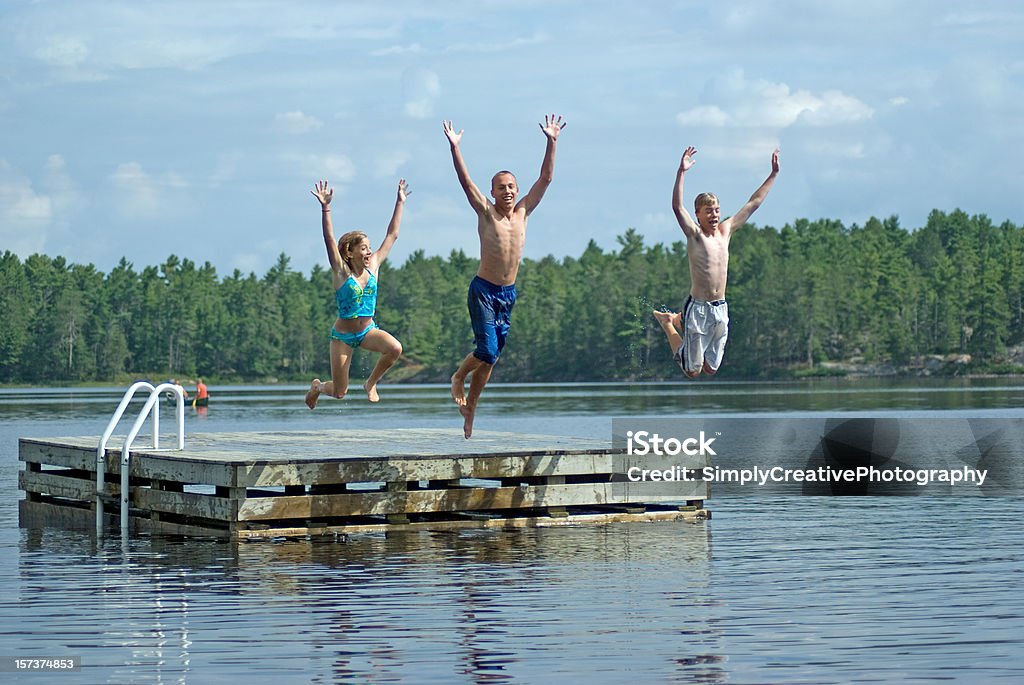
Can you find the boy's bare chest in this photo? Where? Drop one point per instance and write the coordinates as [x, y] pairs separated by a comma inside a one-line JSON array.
[[504, 230], [709, 245]]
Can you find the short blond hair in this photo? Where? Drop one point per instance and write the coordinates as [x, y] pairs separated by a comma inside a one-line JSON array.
[[704, 199], [347, 242]]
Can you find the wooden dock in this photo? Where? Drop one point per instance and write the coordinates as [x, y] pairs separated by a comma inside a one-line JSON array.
[[301, 483]]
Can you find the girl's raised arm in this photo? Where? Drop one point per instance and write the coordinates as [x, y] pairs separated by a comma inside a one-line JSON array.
[[396, 223], [323, 192]]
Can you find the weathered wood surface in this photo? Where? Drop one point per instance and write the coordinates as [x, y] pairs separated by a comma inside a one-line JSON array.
[[463, 499], [40, 514], [326, 457], [274, 479], [64, 452], [57, 485], [185, 503]]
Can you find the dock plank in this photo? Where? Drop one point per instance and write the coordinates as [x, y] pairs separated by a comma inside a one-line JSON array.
[[464, 499], [236, 481]]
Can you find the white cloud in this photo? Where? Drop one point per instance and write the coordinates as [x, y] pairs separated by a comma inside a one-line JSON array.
[[335, 168], [413, 49], [387, 163], [739, 18], [296, 122], [62, 189], [704, 115], [226, 169], [93, 57], [750, 149], [68, 56], [248, 262], [979, 18], [659, 227], [25, 215], [494, 46], [62, 51], [422, 87], [90, 39], [832, 107], [766, 104], [194, 87], [823, 148], [141, 195], [339, 167]]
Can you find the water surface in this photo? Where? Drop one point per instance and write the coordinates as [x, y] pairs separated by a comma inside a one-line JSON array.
[[777, 590]]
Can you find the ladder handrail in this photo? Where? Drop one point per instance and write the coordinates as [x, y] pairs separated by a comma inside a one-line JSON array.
[[101, 449], [154, 397]]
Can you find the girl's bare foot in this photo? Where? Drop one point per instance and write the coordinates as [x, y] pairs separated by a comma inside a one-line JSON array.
[[314, 393], [371, 392]]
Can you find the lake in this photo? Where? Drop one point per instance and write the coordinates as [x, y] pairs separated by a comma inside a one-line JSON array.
[[787, 589]]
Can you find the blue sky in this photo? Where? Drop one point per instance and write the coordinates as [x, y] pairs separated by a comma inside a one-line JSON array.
[[198, 128]]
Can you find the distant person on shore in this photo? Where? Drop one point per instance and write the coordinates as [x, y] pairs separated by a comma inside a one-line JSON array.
[[697, 335], [354, 267], [501, 226]]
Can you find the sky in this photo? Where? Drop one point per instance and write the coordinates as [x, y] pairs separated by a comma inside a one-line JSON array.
[[198, 128]]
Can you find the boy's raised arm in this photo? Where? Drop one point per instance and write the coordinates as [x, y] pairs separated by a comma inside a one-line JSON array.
[[396, 223], [678, 206], [323, 192], [551, 127], [740, 217], [476, 199]]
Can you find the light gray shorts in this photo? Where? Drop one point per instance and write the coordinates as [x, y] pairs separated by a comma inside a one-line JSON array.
[[705, 331]]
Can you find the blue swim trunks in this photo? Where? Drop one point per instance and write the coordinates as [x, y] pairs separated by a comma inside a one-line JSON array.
[[352, 339], [490, 310]]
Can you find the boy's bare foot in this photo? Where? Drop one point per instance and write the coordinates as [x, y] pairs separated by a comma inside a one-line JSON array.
[[664, 318], [467, 415], [314, 393], [669, 320], [371, 392], [459, 392]]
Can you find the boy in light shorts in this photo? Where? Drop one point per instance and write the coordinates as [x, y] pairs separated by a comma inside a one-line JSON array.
[[704, 321], [706, 328]]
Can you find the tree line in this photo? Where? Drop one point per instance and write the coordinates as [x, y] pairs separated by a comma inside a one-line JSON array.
[[808, 293]]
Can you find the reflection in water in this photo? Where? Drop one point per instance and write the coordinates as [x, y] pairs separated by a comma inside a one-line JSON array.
[[488, 605], [795, 589]]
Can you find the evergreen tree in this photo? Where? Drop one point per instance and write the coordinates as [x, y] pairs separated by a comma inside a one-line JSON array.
[[808, 293], [16, 305]]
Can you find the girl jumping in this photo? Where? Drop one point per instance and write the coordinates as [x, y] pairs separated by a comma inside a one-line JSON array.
[[355, 266]]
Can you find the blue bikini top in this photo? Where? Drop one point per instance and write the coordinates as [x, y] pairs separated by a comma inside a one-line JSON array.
[[355, 300]]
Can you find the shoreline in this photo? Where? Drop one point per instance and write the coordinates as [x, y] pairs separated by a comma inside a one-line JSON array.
[[825, 371]]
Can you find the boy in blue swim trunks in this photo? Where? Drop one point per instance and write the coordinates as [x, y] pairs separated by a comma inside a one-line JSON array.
[[354, 267], [501, 225], [704, 321]]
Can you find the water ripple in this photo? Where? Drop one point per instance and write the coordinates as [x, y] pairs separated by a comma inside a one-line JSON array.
[[777, 590]]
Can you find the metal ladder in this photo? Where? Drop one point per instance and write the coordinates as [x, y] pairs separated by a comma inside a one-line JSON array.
[[101, 450]]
